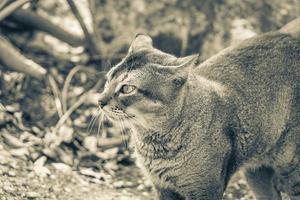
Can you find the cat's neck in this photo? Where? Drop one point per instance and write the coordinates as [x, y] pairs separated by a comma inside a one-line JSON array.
[[159, 144]]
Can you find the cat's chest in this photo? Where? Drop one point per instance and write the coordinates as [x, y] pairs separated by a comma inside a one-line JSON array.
[[163, 172], [169, 173]]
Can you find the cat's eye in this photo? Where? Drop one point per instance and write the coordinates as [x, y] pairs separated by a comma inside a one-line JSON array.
[[126, 89]]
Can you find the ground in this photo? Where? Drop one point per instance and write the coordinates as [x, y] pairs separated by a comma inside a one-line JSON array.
[[21, 179]]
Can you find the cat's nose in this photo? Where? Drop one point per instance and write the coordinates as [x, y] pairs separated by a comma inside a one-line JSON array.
[[102, 103]]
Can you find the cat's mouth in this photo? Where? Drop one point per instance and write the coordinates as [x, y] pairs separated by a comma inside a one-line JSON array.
[[116, 114]]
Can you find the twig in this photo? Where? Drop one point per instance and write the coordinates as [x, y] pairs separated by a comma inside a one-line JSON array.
[[55, 91], [13, 59], [67, 114], [66, 86], [41, 23], [11, 8], [64, 93], [80, 101], [4, 3], [106, 143], [92, 44]]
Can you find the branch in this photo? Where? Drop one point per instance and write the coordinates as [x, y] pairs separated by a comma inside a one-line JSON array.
[[41, 23], [92, 44], [106, 143], [13, 59], [12, 8], [55, 91], [67, 82], [4, 3], [78, 103]]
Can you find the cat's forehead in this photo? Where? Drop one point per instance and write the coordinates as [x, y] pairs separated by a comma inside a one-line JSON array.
[[140, 59]]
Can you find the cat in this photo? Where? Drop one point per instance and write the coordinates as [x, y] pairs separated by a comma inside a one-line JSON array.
[[195, 125]]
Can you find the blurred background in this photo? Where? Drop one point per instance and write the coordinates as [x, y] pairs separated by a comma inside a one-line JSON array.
[[53, 58]]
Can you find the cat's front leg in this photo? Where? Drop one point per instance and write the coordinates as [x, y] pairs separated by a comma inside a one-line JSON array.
[[208, 193], [168, 194]]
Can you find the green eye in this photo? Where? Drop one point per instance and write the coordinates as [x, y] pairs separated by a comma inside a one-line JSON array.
[[126, 89]]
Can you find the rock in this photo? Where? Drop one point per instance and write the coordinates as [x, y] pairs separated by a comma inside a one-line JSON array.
[[11, 174], [62, 167], [112, 152], [65, 156], [9, 188], [32, 195], [41, 171], [66, 133], [97, 181], [13, 164], [52, 176], [20, 152], [3, 157], [80, 121], [67, 190], [41, 161], [119, 184], [50, 152], [111, 165], [90, 143], [148, 183], [4, 169], [91, 173], [145, 193], [34, 155], [140, 187], [85, 189], [39, 168], [102, 155]]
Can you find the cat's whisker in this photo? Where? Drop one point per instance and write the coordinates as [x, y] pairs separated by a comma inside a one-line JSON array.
[[93, 120], [124, 133], [100, 119], [104, 133]]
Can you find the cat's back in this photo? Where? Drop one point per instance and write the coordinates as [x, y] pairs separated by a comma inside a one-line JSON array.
[[263, 75], [257, 60]]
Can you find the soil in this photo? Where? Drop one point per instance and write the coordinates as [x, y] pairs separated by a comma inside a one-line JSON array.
[[18, 181]]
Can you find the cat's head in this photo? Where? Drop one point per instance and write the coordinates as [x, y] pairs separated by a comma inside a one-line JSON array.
[[148, 86]]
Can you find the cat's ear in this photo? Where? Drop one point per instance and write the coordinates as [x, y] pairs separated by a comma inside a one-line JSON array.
[[187, 63], [141, 41]]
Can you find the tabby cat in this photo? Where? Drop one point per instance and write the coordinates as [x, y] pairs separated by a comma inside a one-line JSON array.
[[194, 125]]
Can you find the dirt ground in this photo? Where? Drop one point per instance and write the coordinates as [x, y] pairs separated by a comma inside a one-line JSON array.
[[20, 180]]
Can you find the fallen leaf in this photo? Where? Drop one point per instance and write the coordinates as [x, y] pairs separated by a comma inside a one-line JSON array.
[[21, 152], [11, 140]]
